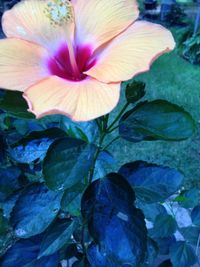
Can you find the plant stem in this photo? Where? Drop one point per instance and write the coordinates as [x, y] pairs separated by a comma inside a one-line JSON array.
[[99, 125], [98, 150], [102, 124], [110, 143], [117, 118], [114, 128]]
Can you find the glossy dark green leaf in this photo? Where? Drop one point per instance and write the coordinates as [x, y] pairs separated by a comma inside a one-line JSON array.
[[86, 131], [152, 210], [156, 120], [166, 263], [152, 252], [24, 253], [9, 204], [135, 91], [13, 103], [191, 234], [104, 161], [113, 221], [67, 162], [79, 264], [98, 259], [71, 200], [164, 226], [58, 235], [164, 244], [182, 254], [51, 133], [50, 261], [190, 198], [151, 182], [71, 251], [195, 215], [9, 181], [4, 225], [34, 210], [35, 145]]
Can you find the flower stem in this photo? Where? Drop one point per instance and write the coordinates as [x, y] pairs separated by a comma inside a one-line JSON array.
[[110, 143], [109, 129], [97, 152]]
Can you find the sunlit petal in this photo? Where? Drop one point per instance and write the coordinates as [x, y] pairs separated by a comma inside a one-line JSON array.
[[98, 21], [82, 101], [132, 52], [30, 20], [21, 64]]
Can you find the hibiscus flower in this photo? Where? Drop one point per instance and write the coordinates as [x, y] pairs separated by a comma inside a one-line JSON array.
[[70, 57]]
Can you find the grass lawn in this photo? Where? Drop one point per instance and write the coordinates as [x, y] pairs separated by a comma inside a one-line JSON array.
[[174, 79]]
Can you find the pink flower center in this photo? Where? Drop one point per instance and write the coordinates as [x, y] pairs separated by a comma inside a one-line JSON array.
[[62, 65]]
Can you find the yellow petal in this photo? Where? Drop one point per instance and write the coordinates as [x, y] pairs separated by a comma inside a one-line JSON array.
[[132, 52], [21, 64], [98, 21], [32, 20], [81, 101]]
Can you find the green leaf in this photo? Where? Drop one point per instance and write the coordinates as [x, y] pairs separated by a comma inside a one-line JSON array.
[[152, 210], [24, 254], [4, 225], [135, 91], [166, 263], [152, 252], [156, 120], [71, 251], [164, 244], [104, 162], [180, 199], [86, 131], [50, 261], [195, 215], [51, 133], [182, 254], [9, 181], [67, 162], [71, 200], [191, 234], [13, 103], [58, 235], [35, 145], [34, 210], [151, 182], [190, 198], [96, 258], [117, 227], [164, 226]]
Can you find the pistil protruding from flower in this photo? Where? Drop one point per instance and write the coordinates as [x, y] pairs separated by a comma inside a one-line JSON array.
[[73, 59], [59, 12]]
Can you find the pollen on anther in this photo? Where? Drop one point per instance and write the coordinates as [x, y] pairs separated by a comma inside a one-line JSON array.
[[59, 11]]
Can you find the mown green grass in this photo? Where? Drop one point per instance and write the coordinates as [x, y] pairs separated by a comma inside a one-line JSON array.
[[176, 80]]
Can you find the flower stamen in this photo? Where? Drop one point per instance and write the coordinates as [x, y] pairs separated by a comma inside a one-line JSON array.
[[59, 12]]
